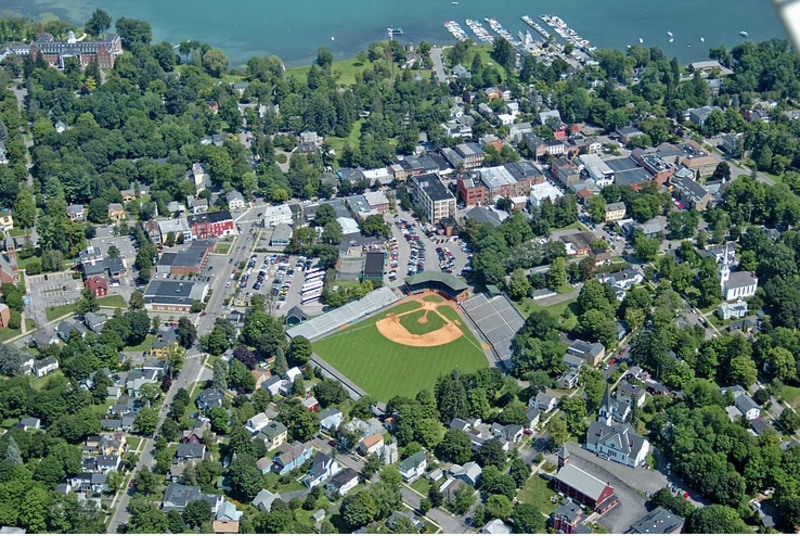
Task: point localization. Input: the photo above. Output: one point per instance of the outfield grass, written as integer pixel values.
(58, 311)
(536, 493)
(112, 301)
(433, 298)
(412, 324)
(385, 369)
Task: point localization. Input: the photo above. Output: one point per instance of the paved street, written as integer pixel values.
(437, 56)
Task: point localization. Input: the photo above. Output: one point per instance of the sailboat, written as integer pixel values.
(702, 39)
(641, 40)
(671, 39)
(669, 33)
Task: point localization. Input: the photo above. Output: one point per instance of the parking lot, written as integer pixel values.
(51, 290)
(420, 254)
(279, 278)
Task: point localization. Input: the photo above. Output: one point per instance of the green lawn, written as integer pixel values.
(354, 138)
(431, 323)
(574, 225)
(790, 394)
(23, 263)
(344, 70)
(223, 248)
(8, 333)
(421, 485)
(58, 311)
(536, 493)
(433, 298)
(37, 384)
(143, 347)
(112, 301)
(385, 369)
(557, 309)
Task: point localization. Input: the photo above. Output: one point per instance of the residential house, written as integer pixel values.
(568, 379)
(633, 395)
(209, 398)
(94, 483)
(533, 417)
(291, 456)
(566, 518)
(342, 482)
(225, 527)
(76, 213)
(177, 496)
(43, 367)
(235, 201)
(626, 134)
(95, 321)
(393, 521)
(330, 419)
(413, 467)
(388, 454)
(495, 526)
(29, 423)
(727, 311)
(323, 467)
(747, 406)
(698, 116)
(101, 464)
(469, 473)
(273, 435)
(257, 422)
(190, 452)
(543, 402)
(263, 501)
(370, 444)
(310, 403)
(612, 410)
(116, 212)
(228, 512)
(614, 212)
(618, 443)
(273, 384)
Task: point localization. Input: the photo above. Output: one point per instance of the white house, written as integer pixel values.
(413, 467)
(257, 422)
(747, 406)
(323, 467)
(543, 402)
(293, 373)
(617, 443)
(342, 482)
(277, 214)
(42, 367)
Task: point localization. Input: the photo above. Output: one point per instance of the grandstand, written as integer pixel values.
(497, 320)
(452, 287)
(346, 314)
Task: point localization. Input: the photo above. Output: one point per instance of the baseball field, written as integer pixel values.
(404, 349)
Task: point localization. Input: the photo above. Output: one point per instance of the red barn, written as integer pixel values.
(211, 225)
(98, 285)
(585, 488)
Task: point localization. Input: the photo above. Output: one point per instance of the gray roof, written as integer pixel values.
(659, 521)
(623, 434)
(580, 480)
(744, 403)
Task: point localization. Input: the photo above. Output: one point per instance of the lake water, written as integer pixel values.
(294, 30)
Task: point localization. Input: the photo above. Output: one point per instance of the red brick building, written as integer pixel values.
(98, 286)
(5, 315)
(472, 192)
(211, 225)
(105, 50)
(9, 271)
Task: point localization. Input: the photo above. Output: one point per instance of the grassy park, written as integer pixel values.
(384, 368)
